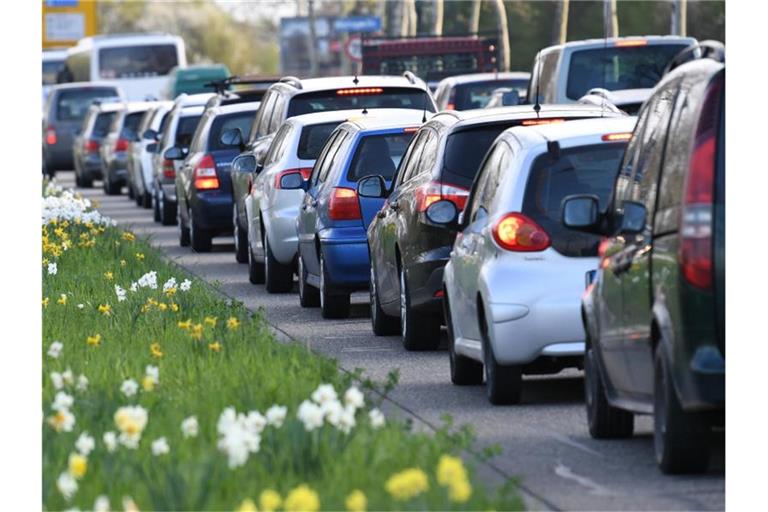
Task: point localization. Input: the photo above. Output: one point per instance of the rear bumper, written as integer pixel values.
(280, 225)
(116, 170)
(91, 165)
(346, 255)
(701, 384)
(59, 157)
(213, 210)
(425, 280)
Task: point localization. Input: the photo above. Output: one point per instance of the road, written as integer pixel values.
(544, 440)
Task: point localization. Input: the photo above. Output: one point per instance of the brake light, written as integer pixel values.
(532, 122)
(205, 176)
(169, 171)
(696, 224)
(411, 129)
(601, 249)
(631, 42)
(50, 136)
(615, 137)
(516, 232)
(450, 106)
(435, 191)
(359, 91)
(121, 145)
(91, 146)
(305, 172)
(344, 205)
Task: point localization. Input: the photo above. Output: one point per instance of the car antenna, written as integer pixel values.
(365, 110)
(355, 80)
(536, 105)
(424, 113)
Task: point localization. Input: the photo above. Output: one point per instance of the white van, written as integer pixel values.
(139, 63)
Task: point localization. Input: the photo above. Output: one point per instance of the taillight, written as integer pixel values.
(169, 171)
(50, 136)
(205, 176)
(435, 191)
(305, 172)
(91, 146)
(616, 137)
(358, 91)
(121, 145)
(344, 204)
(535, 122)
(696, 223)
(516, 232)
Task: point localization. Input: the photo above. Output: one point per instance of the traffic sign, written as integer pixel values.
(354, 48)
(357, 24)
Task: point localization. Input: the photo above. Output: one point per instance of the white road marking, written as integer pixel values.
(596, 489)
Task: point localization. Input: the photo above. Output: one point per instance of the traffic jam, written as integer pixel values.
(570, 218)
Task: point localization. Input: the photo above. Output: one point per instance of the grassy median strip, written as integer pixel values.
(159, 394)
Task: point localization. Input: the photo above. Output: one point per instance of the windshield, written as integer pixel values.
(50, 70)
(379, 154)
(580, 170)
(478, 94)
(73, 104)
(380, 97)
(101, 126)
(222, 123)
(137, 61)
(615, 68)
(313, 139)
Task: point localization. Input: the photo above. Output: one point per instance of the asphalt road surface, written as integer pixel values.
(544, 440)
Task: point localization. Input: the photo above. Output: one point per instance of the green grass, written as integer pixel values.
(251, 372)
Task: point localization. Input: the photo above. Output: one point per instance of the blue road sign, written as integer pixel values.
(357, 24)
(62, 3)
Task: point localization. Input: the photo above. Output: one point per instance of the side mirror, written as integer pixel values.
(232, 137)
(443, 212)
(152, 148)
(633, 219)
(150, 134)
(581, 212)
(372, 186)
(174, 153)
(292, 181)
(244, 163)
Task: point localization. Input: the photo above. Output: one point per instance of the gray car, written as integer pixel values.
(114, 146)
(142, 150)
(85, 149)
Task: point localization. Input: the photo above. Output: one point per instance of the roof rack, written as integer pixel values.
(410, 76)
(220, 86)
(291, 80)
(709, 49)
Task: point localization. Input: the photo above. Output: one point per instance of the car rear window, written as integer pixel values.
(371, 97)
(51, 68)
(224, 122)
(580, 170)
(379, 154)
(185, 130)
(615, 68)
(131, 125)
(461, 165)
(101, 126)
(137, 61)
(478, 94)
(313, 138)
(73, 104)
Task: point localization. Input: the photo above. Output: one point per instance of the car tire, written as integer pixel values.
(604, 420)
(86, 182)
(111, 188)
(169, 214)
(419, 331)
(255, 269)
(680, 439)
(199, 238)
(241, 238)
(503, 383)
(184, 238)
(309, 296)
(132, 193)
(464, 371)
(332, 305)
(382, 323)
(78, 181)
(278, 278)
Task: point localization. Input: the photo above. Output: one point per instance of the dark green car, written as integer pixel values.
(192, 79)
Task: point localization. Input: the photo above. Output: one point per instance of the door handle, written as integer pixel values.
(313, 203)
(381, 214)
(394, 206)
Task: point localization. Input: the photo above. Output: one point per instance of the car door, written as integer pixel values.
(636, 277)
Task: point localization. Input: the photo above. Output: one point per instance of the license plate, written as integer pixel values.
(590, 277)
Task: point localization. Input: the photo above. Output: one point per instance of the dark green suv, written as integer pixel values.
(655, 313)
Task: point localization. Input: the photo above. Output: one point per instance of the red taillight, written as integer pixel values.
(616, 137)
(696, 223)
(357, 91)
(91, 146)
(450, 106)
(305, 172)
(631, 42)
(516, 232)
(169, 171)
(435, 191)
(121, 145)
(534, 122)
(50, 136)
(439, 293)
(344, 205)
(205, 176)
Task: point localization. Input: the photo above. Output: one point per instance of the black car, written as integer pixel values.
(655, 315)
(203, 186)
(441, 163)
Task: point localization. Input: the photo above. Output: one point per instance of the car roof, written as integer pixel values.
(136, 106)
(108, 106)
(385, 118)
(191, 110)
(611, 41)
(344, 82)
(501, 114)
(236, 107)
(563, 132)
(193, 99)
(328, 116)
(106, 40)
(84, 85)
(485, 77)
(54, 54)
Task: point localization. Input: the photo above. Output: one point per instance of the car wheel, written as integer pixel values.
(156, 208)
(169, 214)
(464, 371)
(255, 269)
(199, 238)
(503, 383)
(86, 181)
(383, 324)
(309, 296)
(680, 439)
(241, 238)
(184, 238)
(131, 192)
(111, 188)
(604, 420)
(419, 331)
(332, 305)
(278, 277)
(78, 180)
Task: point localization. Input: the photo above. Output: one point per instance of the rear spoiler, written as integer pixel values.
(709, 49)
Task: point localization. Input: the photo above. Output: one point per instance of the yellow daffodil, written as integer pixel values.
(233, 323)
(123, 263)
(62, 299)
(45, 302)
(94, 340)
(460, 491)
(407, 484)
(128, 236)
(162, 306)
(170, 291)
(302, 499)
(356, 501)
(46, 261)
(185, 324)
(105, 309)
(148, 383)
(78, 465)
(154, 350)
(269, 500)
(174, 307)
(210, 320)
(247, 506)
(140, 256)
(451, 473)
(108, 276)
(215, 346)
(197, 332)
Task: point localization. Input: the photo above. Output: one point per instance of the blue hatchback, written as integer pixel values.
(333, 247)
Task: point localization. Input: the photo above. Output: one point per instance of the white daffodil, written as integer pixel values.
(110, 441)
(80, 306)
(134, 286)
(68, 377)
(189, 427)
(62, 401)
(131, 420)
(160, 446)
(153, 372)
(101, 504)
(354, 398)
(310, 415)
(57, 380)
(376, 417)
(332, 412)
(62, 421)
(82, 383)
(255, 421)
(238, 436)
(84, 444)
(129, 505)
(148, 280)
(120, 292)
(185, 285)
(324, 393)
(54, 350)
(129, 387)
(169, 284)
(53, 269)
(67, 485)
(276, 415)
(347, 420)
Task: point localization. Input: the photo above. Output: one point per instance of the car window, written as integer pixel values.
(411, 167)
(405, 161)
(682, 129)
(460, 163)
(480, 192)
(185, 130)
(101, 126)
(324, 158)
(235, 121)
(131, 125)
(278, 114)
(429, 153)
(198, 137)
(378, 154)
(477, 94)
(277, 147)
(73, 104)
(116, 122)
(622, 186)
(313, 138)
(261, 123)
(137, 61)
(368, 97)
(331, 160)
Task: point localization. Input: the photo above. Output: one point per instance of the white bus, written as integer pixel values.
(139, 63)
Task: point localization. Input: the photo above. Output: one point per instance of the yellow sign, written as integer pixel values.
(67, 21)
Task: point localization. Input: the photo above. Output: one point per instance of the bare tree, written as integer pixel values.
(561, 23)
(313, 69)
(502, 27)
(679, 17)
(413, 18)
(474, 18)
(436, 27)
(610, 18)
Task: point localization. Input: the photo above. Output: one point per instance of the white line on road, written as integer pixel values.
(565, 472)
